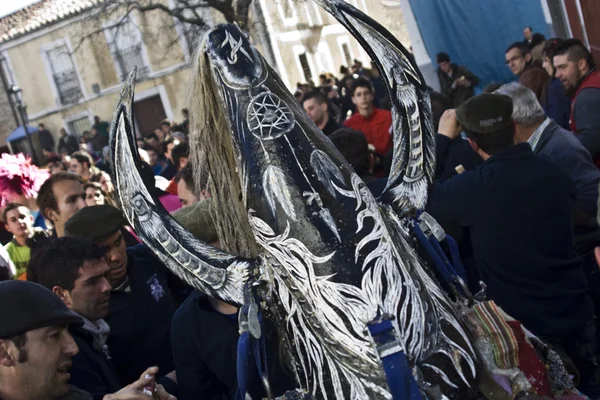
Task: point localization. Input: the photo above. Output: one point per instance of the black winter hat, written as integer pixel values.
(486, 113)
(94, 223)
(25, 306)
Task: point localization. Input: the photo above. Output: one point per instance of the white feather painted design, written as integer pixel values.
(327, 172)
(313, 320)
(277, 192)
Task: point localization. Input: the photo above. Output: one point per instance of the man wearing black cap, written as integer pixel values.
(519, 210)
(140, 308)
(36, 348)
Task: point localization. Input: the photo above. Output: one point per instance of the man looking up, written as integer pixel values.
(576, 70)
(18, 221)
(317, 107)
(59, 198)
(373, 122)
(140, 306)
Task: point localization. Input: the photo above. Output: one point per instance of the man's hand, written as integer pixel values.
(134, 391)
(449, 126)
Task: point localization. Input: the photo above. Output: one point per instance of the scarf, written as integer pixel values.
(99, 330)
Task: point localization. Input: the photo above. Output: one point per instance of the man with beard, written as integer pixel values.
(317, 107)
(140, 308)
(576, 70)
(37, 350)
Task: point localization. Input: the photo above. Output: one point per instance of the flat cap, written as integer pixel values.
(25, 306)
(94, 223)
(486, 113)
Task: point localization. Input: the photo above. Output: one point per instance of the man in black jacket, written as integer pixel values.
(519, 210)
(456, 82)
(74, 269)
(140, 307)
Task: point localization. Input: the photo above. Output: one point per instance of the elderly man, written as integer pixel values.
(547, 138)
(36, 348)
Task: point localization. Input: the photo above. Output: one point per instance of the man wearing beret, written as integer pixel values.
(519, 210)
(36, 348)
(140, 308)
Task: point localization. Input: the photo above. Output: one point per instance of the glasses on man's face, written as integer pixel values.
(512, 59)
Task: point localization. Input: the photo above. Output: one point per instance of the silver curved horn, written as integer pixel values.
(413, 164)
(205, 267)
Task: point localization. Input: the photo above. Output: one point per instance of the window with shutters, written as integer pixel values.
(306, 72)
(78, 126)
(63, 74)
(127, 48)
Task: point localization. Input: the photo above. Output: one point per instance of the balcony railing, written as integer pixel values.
(67, 84)
(129, 58)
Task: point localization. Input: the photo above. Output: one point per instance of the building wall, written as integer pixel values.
(294, 27)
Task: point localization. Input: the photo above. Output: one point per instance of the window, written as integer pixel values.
(125, 42)
(287, 12)
(78, 126)
(64, 74)
(347, 54)
(307, 73)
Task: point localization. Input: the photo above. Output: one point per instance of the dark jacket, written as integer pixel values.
(458, 94)
(556, 104)
(450, 153)
(46, 140)
(562, 147)
(140, 320)
(92, 371)
(519, 209)
(169, 171)
(331, 126)
(586, 114)
(205, 351)
(68, 144)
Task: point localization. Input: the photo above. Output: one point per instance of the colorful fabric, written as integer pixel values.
(499, 332)
(19, 177)
(529, 362)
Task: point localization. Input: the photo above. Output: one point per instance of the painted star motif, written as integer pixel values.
(269, 117)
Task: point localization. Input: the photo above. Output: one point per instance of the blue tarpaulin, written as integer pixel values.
(475, 33)
(19, 133)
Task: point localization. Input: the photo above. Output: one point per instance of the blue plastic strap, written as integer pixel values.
(400, 379)
(243, 353)
(456, 262)
(435, 257)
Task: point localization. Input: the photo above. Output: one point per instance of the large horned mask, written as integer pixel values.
(331, 258)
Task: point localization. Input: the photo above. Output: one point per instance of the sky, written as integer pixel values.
(9, 6)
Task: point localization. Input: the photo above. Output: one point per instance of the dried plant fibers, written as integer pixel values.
(212, 153)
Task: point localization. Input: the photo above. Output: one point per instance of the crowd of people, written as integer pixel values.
(88, 312)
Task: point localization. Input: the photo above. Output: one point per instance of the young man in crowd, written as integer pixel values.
(165, 128)
(455, 82)
(373, 122)
(185, 186)
(18, 221)
(55, 164)
(519, 210)
(154, 141)
(156, 161)
(576, 70)
(81, 164)
(170, 169)
(36, 348)
(316, 105)
(180, 155)
(74, 269)
(59, 198)
(140, 307)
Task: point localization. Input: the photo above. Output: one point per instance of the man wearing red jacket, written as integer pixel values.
(375, 123)
(576, 70)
